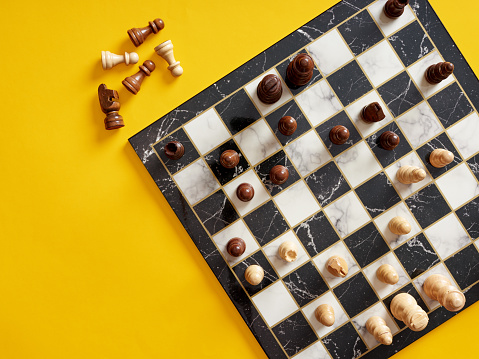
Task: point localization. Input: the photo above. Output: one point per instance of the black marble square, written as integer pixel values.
(237, 111)
(441, 141)
(386, 157)
(292, 109)
(428, 205)
(349, 83)
(473, 163)
(316, 234)
(366, 245)
(282, 67)
(469, 216)
(464, 266)
(266, 223)
(417, 256)
(400, 94)
(191, 154)
(411, 43)
(216, 212)
(327, 183)
(377, 194)
(450, 105)
(360, 32)
(355, 294)
(295, 333)
(305, 284)
(345, 343)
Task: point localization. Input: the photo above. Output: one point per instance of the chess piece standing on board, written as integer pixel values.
(325, 315)
(300, 70)
(110, 105)
(438, 287)
(165, 50)
(254, 274)
(438, 72)
(410, 174)
(269, 89)
(404, 308)
(372, 113)
(378, 328)
(440, 157)
(108, 59)
(395, 8)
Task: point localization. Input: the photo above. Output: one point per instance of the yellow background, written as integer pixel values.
(93, 262)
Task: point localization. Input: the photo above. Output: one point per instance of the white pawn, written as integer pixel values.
(108, 59)
(165, 50)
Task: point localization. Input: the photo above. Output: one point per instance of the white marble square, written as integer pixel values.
(388, 25)
(308, 153)
(257, 142)
(458, 185)
(237, 229)
(380, 63)
(339, 314)
(196, 181)
(419, 124)
(207, 131)
(315, 351)
(280, 265)
(330, 52)
(465, 135)
(358, 163)
(447, 236)
(382, 222)
(297, 203)
(319, 102)
(263, 107)
(347, 214)
(274, 303)
(383, 289)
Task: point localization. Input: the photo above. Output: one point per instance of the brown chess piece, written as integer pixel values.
(138, 36)
(287, 125)
(270, 89)
(300, 70)
(278, 174)
(133, 83)
(236, 247)
(395, 8)
(339, 135)
(245, 192)
(389, 140)
(229, 159)
(372, 113)
(174, 150)
(438, 72)
(110, 105)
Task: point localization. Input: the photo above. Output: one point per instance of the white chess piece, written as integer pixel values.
(165, 50)
(108, 59)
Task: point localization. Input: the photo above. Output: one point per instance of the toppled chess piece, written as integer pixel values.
(287, 125)
(438, 72)
(395, 8)
(254, 274)
(399, 225)
(438, 287)
(133, 83)
(269, 89)
(278, 174)
(288, 251)
(300, 70)
(389, 140)
(245, 192)
(229, 159)
(139, 35)
(337, 266)
(236, 247)
(410, 174)
(325, 315)
(174, 150)
(110, 105)
(108, 59)
(387, 274)
(372, 113)
(165, 50)
(404, 308)
(339, 135)
(440, 157)
(378, 328)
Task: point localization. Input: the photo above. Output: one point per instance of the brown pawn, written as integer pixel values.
(138, 36)
(389, 140)
(438, 72)
(229, 159)
(300, 70)
(395, 8)
(110, 106)
(245, 192)
(133, 83)
(269, 89)
(174, 150)
(373, 113)
(279, 174)
(236, 247)
(339, 135)
(287, 125)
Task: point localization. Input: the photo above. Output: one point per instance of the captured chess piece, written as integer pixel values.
(245, 192)
(399, 225)
(110, 105)
(108, 59)
(339, 135)
(337, 266)
(438, 287)
(254, 274)
(165, 50)
(378, 328)
(440, 157)
(438, 72)
(133, 83)
(288, 251)
(287, 125)
(410, 174)
(269, 89)
(387, 274)
(174, 150)
(389, 140)
(138, 36)
(236, 247)
(325, 315)
(404, 308)
(300, 70)
(278, 174)
(372, 113)
(229, 159)
(395, 8)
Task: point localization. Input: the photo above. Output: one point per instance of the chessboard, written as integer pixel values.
(338, 199)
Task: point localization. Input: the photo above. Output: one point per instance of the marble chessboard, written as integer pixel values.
(338, 199)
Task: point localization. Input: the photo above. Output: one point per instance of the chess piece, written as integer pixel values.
(337, 266)
(245, 192)
(410, 174)
(165, 50)
(138, 36)
(438, 72)
(229, 159)
(278, 174)
(440, 157)
(399, 225)
(236, 247)
(395, 8)
(174, 150)
(110, 105)
(287, 125)
(254, 274)
(133, 83)
(404, 308)
(387, 274)
(108, 59)
(325, 314)
(438, 287)
(389, 140)
(288, 251)
(339, 135)
(378, 328)
(270, 89)
(300, 70)
(372, 113)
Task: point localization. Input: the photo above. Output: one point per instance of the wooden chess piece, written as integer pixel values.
(269, 89)
(229, 159)
(372, 113)
(138, 36)
(399, 225)
(174, 150)
(389, 140)
(438, 72)
(245, 192)
(387, 274)
(395, 8)
(254, 274)
(110, 105)
(165, 50)
(288, 251)
(404, 308)
(410, 174)
(438, 287)
(325, 315)
(337, 266)
(108, 59)
(339, 135)
(236, 247)
(133, 83)
(300, 70)
(378, 328)
(287, 125)
(440, 157)
(278, 174)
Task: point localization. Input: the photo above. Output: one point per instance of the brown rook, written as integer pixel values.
(373, 113)
(236, 247)
(287, 125)
(395, 8)
(438, 72)
(138, 36)
(300, 70)
(269, 89)
(278, 174)
(174, 150)
(110, 105)
(229, 159)
(339, 135)
(245, 192)
(133, 83)
(389, 140)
